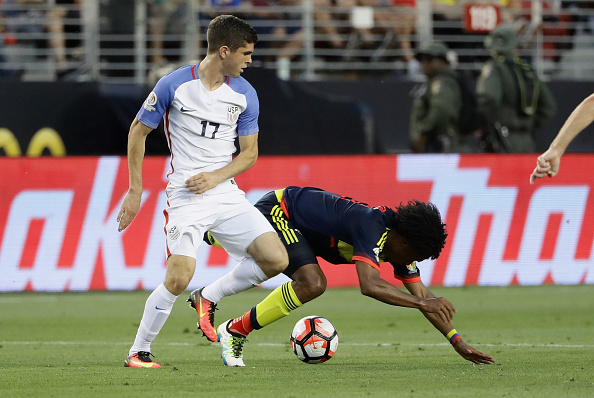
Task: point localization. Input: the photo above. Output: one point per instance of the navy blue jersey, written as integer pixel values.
(340, 229)
(314, 223)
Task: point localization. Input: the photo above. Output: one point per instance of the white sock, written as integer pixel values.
(156, 311)
(244, 276)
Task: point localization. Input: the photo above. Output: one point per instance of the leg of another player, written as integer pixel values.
(308, 283)
(269, 258)
(245, 275)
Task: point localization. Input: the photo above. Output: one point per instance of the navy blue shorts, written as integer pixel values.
(300, 251)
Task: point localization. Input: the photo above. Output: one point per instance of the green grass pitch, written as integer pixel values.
(74, 345)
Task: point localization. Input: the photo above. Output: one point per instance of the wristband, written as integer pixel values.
(453, 336)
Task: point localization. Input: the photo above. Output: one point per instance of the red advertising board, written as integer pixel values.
(58, 228)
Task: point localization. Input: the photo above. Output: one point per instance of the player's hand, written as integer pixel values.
(440, 306)
(202, 182)
(129, 209)
(547, 164)
(471, 354)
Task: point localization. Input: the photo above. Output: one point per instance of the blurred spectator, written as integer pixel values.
(334, 36)
(28, 20)
(210, 9)
(404, 18)
(395, 21)
(166, 17)
(447, 24)
(58, 28)
(329, 16)
(557, 26)
(21, 19)
(582, 10)
(511, 96)
(5, 71)
(277, 30)
(437, 104)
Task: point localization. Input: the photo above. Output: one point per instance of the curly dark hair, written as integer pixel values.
(420, 223)
(230, 31)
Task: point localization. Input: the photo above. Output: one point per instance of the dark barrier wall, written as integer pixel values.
(89, 119)
(295, 117)
(94, 119)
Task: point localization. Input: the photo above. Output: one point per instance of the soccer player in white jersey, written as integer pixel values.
(205, 107)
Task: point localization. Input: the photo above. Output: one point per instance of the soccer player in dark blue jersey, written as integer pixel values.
(315, 223)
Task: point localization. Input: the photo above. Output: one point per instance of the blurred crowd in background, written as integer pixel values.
(301, 39)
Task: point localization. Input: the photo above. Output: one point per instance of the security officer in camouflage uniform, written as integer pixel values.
(510, 96)
(436, 104)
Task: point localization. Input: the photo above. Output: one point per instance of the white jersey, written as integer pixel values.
(200, 125)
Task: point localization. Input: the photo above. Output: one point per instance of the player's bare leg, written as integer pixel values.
(269, 253)
(309, 282)
(180, 270)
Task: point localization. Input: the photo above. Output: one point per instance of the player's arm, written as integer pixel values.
(248, 154)
(581, 117)
(374, 286)
(136, 147)
(445, 327)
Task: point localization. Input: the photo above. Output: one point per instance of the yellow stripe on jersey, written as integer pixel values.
(346, 250)
(382, 240)
(279, 194)
(278, 217)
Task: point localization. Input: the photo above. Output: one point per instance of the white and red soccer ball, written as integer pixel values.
(314, 339)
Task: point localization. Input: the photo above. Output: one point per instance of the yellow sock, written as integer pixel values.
(276, 305)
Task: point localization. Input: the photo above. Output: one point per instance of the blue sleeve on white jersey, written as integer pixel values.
(247, 124)
(160, 99)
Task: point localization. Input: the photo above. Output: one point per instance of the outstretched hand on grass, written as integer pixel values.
(471, 354)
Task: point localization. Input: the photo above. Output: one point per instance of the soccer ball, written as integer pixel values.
(314, 339)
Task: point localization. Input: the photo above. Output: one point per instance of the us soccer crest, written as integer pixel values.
(233, 114)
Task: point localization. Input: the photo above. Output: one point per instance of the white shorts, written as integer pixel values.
(229, 217)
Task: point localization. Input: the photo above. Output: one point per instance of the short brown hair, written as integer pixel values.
(230, 31)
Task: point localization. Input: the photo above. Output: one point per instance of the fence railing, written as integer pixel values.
(136, 41)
